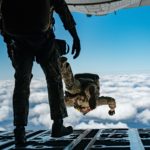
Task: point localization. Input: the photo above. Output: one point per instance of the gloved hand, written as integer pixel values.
(76, 47)
(76, 43)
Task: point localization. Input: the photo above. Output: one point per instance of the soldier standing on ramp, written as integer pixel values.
(29, 23)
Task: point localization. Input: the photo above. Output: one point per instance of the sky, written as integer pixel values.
(116, 47)
(116, 43)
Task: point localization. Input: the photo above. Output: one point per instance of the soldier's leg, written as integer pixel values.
(58, 110)
(23, 67)
(55, 87)
(66, 73)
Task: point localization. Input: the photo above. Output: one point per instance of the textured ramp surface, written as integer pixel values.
(94, 139)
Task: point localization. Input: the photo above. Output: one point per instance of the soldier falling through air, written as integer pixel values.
(82, 90)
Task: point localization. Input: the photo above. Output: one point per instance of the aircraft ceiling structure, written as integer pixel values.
(103, 7)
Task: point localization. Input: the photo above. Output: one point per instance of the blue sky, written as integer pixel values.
(111, 44)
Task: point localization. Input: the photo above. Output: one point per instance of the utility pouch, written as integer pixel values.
(62, 47)
(58, 45)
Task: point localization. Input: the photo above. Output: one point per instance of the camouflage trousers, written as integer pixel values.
(26, 50)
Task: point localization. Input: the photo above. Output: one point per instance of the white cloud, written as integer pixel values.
(40, 115)
(123, 111)
(93, 125)
(74, 117)
(131, 92)
(38, 97)
(142, 102)
(144, 116)
(2, 129)
(38, 84)
(40, 109)
(4, 112)
(43, 119)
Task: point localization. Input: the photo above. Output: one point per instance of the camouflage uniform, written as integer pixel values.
(82, 90)
(38, 44)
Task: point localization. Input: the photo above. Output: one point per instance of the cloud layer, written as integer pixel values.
(132, 93)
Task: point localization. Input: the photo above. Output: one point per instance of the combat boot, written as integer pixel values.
(58, 130)
(20, 138)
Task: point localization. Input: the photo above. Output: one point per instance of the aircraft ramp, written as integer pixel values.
(92, 139)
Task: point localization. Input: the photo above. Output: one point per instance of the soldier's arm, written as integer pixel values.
(106, 101)
(61, 8)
